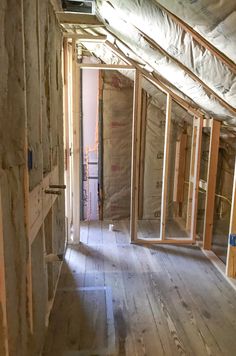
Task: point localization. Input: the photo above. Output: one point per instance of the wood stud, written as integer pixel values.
(76, 73)
(135, 162)
(165, 167)
(211, 184)
(3, 299)
(231, 253)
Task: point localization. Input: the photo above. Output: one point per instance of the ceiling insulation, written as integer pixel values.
(150, 33)
(214, 19)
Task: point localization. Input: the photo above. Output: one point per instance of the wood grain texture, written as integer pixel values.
(167, 300)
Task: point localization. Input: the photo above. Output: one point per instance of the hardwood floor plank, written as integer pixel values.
(166, 300)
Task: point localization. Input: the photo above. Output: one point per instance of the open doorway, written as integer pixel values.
(106, 125)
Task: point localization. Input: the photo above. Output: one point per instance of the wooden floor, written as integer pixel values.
(150, 229)
(115, 298)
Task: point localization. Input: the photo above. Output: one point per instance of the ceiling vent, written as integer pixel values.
(84, 7)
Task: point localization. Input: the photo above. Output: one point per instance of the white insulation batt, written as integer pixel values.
(215, 20)
(130, 19)
(117, 132)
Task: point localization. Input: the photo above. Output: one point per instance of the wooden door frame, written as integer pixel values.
(138, 117)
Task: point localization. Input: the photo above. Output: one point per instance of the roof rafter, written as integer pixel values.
(200, 39)
(189, 72)
(155, 81)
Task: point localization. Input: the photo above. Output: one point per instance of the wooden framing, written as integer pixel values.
(194, 176)
(157, 82)
(85, 38)
(3, 300)
(76, 72)
(136, 152)
(190, 73)
(78, 19)
(198, 122)
(105, 66)
(231, 252)
(142, 152)
(135, 176)
(136, 127)
(26, 204)
(201, 40)
(40, 203)
(180, 160)
(211, 184)
(165, 167)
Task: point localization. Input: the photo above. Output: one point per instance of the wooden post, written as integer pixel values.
(142, 153)
(137, 112)
(197, 161)
(191, 177)
(3, 301)
(180, 160)
(165, 167)
(211, 184)
(101, 143)
(76, 146)
(26, 200)
(194, 176)
(67, 82)
(231, 252)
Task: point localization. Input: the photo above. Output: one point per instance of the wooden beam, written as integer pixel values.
(78, 19)
(211, 184)
(201, 40)
(76, 145)
(142, 153)
(165, 167)
(3, 299)
(231, 252)
(156, 82)
(119, 53)
(105, 66)
(135, 160)
(197, 161)
(85, 38)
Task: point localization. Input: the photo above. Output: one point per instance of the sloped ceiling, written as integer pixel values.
(163, 35)
(214, 20)
(153, 35)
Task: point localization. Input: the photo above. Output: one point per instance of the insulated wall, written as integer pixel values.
(31, 136)
(153, 161)
(117, 131)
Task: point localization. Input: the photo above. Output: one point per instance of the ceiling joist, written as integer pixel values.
(85, 38)
(78, 19)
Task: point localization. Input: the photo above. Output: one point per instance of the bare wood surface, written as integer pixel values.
(166, 300)
(76, 144)
(142, 152)
(77, 19)
(135, 160)
(4, 349)
(165, 166)
(196, 177)
(211, 184)
(231, 252)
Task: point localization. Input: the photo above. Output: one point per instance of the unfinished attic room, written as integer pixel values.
(118, 178)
